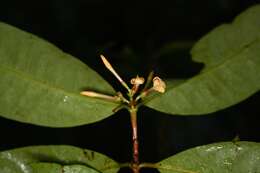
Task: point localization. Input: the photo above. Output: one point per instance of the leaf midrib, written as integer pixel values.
(215, 67)
(44, 84)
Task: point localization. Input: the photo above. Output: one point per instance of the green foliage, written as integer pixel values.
(43, 159)
(55, 168)
(232, 70)
(226, 157)
(41, 85)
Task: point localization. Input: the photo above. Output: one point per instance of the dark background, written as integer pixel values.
(134, 35)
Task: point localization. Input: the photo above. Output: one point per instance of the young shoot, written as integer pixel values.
(131, 103)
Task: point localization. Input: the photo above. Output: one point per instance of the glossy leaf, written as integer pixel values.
(226, 157)
(66, 159)
(56, 168)
(231, 54)
(40, 84)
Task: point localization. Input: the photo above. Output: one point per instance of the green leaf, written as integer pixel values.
(40, 84)
(46, 167)
(66, 159)
(226, 157)
(55, 168)
(231, 54)
(228, 40)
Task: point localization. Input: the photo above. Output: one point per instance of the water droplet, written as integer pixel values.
(226, 162)
(17, 161)
(214, 148)
(239, 148)
(65, 99)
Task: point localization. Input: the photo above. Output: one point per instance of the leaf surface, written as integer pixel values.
(231, 54)
(226, 157)
(66, 159)
(40, 84)
(56, 168)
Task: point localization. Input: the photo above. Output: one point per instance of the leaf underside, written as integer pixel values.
(231, 55)
(226, 157)
(40, 84)
(55, 159)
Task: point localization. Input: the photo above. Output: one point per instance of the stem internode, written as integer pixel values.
(135, 164)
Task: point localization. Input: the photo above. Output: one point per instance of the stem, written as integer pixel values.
(133, 114)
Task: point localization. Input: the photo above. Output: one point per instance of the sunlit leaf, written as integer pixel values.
(40, 84)
(231, 54)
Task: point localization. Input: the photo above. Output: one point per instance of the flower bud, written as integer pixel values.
(111, 69)
(100, 95)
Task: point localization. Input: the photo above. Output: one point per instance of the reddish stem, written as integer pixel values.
(135, 165)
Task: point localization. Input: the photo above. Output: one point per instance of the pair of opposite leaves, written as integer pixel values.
(41, 85)
(225, 157)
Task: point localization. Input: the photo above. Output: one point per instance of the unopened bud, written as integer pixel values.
(90, 93)
(99, 95)
(107, 64)
(111, 69)
(159, 85)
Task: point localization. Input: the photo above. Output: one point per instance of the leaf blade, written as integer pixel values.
(224, 81)
(227, 39)
(225, 157)
(56, 168)
(38, 75)
(24, 160)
